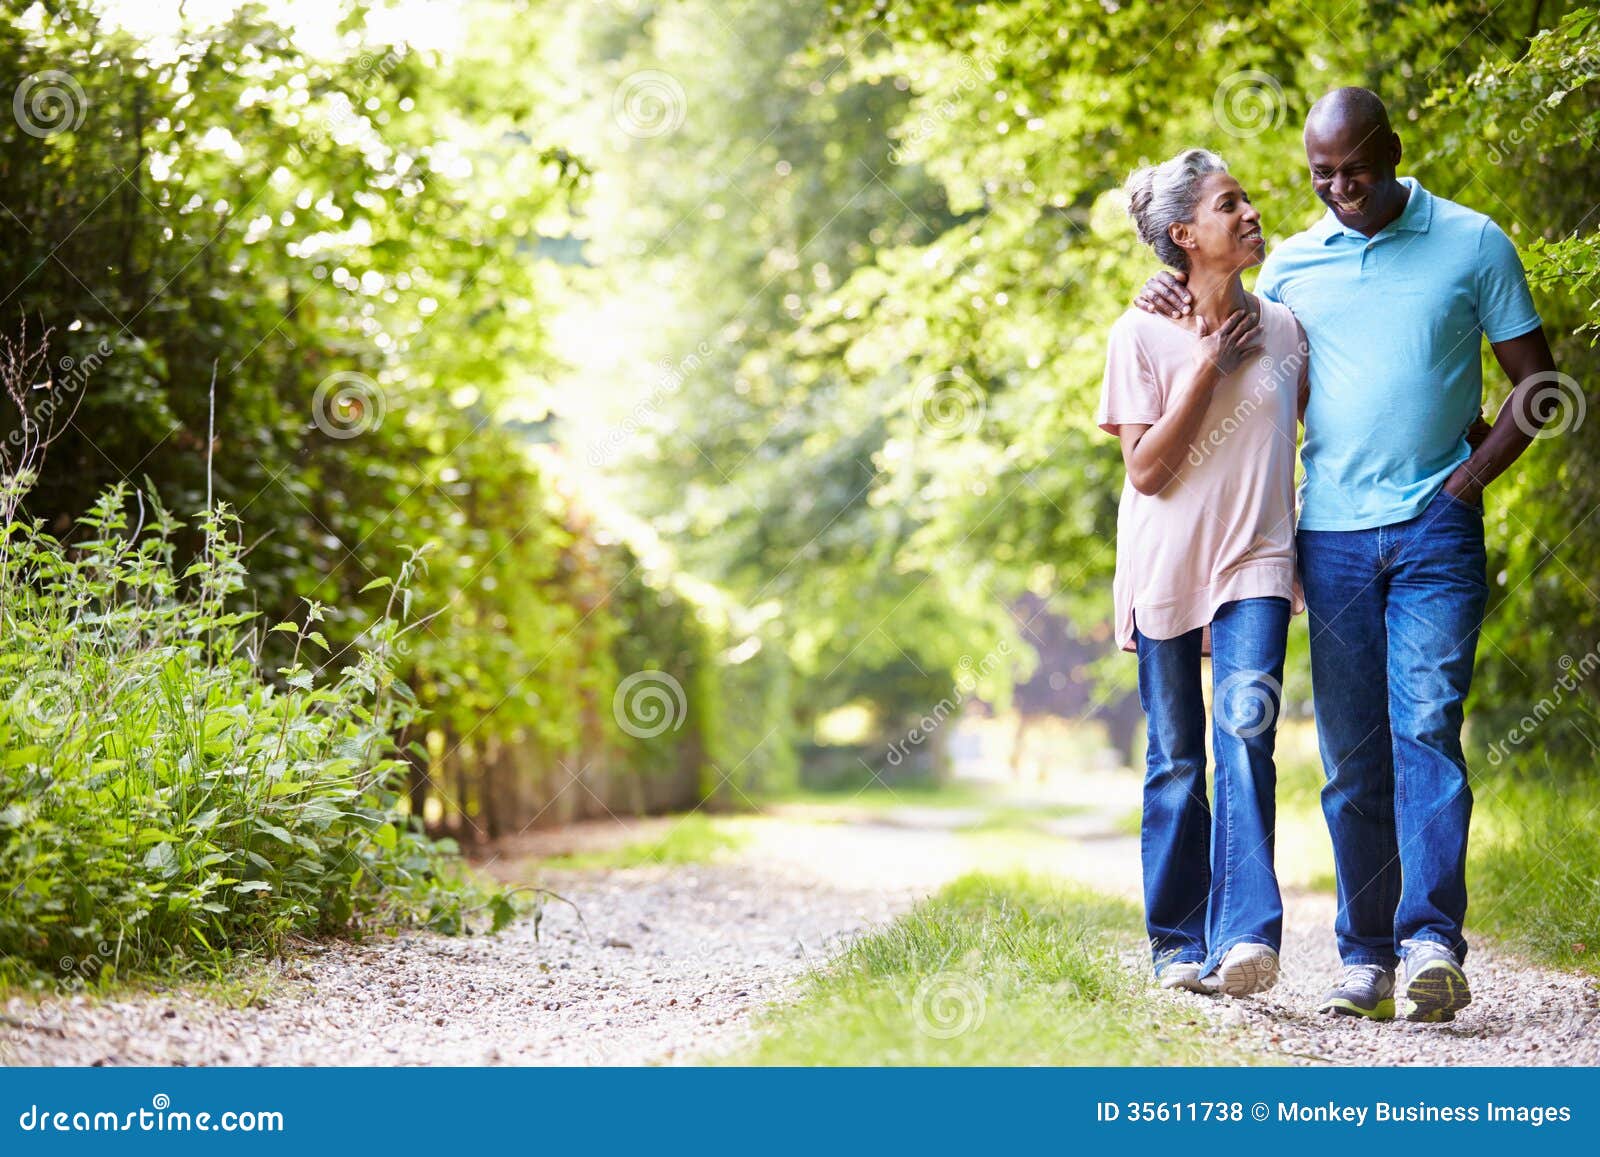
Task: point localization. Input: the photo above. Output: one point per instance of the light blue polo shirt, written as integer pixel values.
(1396, 325)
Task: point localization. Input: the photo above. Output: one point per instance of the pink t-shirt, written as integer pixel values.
(1223, 529)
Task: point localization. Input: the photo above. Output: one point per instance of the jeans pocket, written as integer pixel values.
(1462, 503)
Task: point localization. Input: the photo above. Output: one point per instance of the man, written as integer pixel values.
(1393, 287)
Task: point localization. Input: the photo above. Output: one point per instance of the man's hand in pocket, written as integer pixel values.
(1478, 431)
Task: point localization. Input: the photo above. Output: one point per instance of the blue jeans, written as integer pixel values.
(1208, 880)
(1394, 615)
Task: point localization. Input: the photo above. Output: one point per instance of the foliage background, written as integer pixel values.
(897, 226)
(750, 344)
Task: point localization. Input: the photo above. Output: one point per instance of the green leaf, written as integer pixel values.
(502, 911)
(275, 832)
(162, 859)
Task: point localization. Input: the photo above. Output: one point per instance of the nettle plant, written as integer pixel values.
(163, 797)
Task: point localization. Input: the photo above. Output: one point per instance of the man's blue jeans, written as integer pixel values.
(1209, 883)
(1394, 616)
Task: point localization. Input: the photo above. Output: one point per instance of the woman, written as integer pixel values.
(1205, 409)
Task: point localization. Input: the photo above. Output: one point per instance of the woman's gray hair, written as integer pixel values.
(1161, 196)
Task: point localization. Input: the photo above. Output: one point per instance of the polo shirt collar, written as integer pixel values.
(1414, 218)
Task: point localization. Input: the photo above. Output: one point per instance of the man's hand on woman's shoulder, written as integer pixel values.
(1166, 294)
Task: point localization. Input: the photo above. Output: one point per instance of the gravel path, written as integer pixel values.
(1519, 1015)
(675, 960)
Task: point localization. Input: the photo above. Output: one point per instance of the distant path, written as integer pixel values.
(676, 960)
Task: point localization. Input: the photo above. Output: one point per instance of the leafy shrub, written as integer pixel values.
(162, 796)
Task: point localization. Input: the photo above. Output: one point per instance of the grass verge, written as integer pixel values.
(1533, 873)
(873, 796)
(1533, 867)
(693, 839)
(992, 971)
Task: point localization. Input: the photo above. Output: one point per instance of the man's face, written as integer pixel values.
(1353, 172)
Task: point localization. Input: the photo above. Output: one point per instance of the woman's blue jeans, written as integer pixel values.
(1208, 877)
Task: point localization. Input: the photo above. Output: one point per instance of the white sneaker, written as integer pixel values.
(1246, 969)
(1182, 976)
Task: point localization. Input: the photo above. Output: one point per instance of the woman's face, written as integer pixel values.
(1226, 230)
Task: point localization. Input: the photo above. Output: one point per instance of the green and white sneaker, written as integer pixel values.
(1181, 976)
(1435, 988)
(1361, 990)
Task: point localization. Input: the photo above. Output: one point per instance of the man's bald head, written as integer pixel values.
(1353, 153)
(1351, 107)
